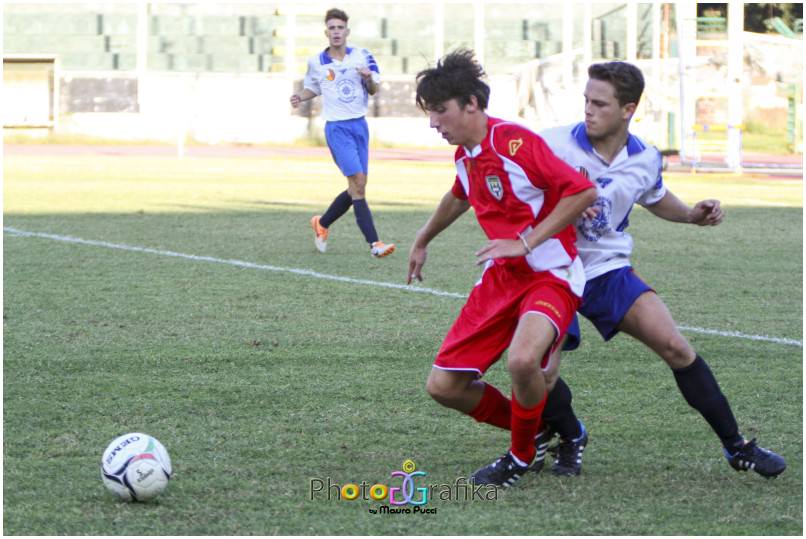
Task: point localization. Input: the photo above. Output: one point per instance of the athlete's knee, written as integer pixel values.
(357, 185)
(443, 388)
(677, 352)
(522, 365)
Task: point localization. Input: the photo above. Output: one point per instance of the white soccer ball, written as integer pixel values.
(136, 467)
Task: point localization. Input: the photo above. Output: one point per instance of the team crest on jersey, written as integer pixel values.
(584, 172)
(592, 229)
(347, 91)
(331, 74)
(495, 187)
(514, 146)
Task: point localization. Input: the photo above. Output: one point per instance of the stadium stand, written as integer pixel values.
(255, 38)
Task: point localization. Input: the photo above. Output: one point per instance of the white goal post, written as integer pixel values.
(30, 91)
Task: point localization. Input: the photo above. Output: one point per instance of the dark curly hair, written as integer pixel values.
(627, 80)
(457, 76)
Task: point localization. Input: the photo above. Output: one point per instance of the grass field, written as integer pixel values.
(258, 380)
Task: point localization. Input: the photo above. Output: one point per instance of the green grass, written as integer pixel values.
(756, 140)
(258, 381)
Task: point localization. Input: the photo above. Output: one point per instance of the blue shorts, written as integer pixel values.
(348, 141)
(605, 302)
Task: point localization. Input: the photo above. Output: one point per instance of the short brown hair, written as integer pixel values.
(627, 80)
(336, 13)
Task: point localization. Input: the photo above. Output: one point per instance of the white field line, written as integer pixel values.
(350, 280)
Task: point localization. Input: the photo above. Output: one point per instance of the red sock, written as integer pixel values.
(493, 408)
(525, 425)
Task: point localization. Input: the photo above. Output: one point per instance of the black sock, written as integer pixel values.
(701, 391)
(363, 218)
(337, 208)
(558, 414)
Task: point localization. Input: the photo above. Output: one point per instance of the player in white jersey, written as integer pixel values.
(627, 171)
(345, 77)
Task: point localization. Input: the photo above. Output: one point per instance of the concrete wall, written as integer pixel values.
(214, 108)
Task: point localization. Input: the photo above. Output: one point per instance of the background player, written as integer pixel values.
(525, 200)
(627, 170)
(344, 77)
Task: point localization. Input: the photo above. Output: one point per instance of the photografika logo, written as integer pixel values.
(407, 491)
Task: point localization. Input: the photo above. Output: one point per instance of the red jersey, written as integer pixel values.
(513, 181)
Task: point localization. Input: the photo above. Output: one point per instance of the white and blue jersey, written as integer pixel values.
(633, 177)
(342, 89)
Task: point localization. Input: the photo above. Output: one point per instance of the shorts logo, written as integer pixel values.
(331, 74)
(495, 187)
(549, 306)
(584, 172)
(514, 145)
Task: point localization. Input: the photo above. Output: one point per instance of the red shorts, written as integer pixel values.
(487, 322)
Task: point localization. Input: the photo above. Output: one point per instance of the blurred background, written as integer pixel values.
(724, 80)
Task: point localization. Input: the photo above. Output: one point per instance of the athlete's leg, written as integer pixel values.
(559, 415)
(363, 216)
(357, 185)
(697, 384)
(337, 208)
(551, 372)
(533, 339)
(341, 146)
(463, 391)
(476, 340)
(460, 390)
(357, 179)
(649, 321)
(559, 419)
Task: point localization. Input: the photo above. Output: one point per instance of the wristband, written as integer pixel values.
(525, 244)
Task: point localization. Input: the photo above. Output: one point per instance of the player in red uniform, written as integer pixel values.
(525, 200)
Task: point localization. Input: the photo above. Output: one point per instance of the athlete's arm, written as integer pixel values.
(564, 213)
(370, 84)
(704, 213)
(449, 210)
(306, 95)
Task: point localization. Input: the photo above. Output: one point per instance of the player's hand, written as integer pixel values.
(590, 213)
(295, 100)
(417, 257)
(364, 72)
(500, 249)
(706, 213)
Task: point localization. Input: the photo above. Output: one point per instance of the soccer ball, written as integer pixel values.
(136, 467)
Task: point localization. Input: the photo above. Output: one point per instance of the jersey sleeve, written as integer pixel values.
(372, 65)
(311, 81)
(657, 190)
(457, 189)
(544, 168)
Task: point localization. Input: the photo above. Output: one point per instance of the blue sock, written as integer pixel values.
(337, 208)
(363, 218)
